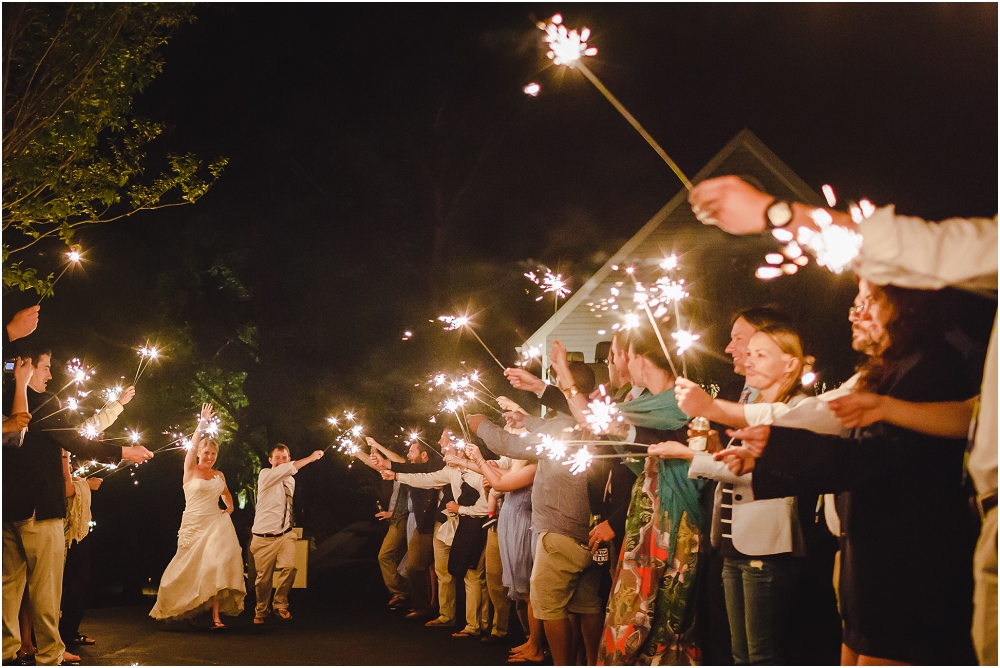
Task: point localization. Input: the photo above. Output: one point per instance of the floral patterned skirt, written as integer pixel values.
(650, 616)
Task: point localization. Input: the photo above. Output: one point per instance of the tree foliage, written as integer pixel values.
(74, 153)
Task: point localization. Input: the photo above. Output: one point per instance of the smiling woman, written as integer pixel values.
(207, 570)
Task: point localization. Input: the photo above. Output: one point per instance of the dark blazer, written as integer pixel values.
(33, 473)
(904, 519)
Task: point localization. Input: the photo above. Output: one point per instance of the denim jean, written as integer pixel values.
(758, 595)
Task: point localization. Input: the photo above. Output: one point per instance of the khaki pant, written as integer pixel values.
(984, 618)
(33, 554)
(392, 552)
(446, 586)
(270, 554)
(494, 584)
(476, 608)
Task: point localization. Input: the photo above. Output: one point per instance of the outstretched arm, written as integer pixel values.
(693, 400)
(948, 419)
(191, 456)
(386, 452)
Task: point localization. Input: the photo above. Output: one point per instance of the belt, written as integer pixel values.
(986, 504)
(273, 535)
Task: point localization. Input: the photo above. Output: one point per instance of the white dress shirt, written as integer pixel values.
(275, 488)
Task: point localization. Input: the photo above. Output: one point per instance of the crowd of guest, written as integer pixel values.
(46, 509)
(821, 528)
(779, 527)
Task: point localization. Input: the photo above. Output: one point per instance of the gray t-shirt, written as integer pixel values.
(559, 501)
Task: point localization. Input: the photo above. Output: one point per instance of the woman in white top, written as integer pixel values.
(760, 540)
(207, 571)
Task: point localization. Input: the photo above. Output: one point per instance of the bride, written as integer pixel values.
(207, 571)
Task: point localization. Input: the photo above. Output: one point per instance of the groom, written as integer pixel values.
(273, 543)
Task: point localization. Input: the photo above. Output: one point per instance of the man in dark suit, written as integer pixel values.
(34, 506)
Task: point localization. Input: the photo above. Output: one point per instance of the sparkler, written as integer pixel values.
(550, 282)
(834, 246)
(568, 47)
(529, 353)
(458, 322)
(147, 354)
(602, 413)
(73, 257)
(532, 89)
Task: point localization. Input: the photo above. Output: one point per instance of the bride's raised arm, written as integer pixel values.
(191, 457)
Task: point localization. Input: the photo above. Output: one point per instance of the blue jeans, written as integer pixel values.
(758, 593)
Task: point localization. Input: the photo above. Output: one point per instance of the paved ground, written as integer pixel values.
(339, 620)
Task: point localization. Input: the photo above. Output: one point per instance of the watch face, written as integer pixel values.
(779, 214)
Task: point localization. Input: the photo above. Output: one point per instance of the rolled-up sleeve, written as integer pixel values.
(913, 253)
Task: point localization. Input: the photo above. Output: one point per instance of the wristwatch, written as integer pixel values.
(778, 214)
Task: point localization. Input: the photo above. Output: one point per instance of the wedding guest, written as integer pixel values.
(884, 523)
(761, 541)
(34, 507)
(908, 252)
(469, 540)
(273, 542)
(564, 579)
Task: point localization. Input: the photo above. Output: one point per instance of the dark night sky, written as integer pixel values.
(352, 129)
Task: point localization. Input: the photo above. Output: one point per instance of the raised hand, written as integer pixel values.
(388, 475)
(23, 371)
(16, 422)
(523, 380)
(23, 323)
(739, 461)
(474, 421)
(94, 484)
(731, 204)
(137, 454)
(207, 414)
(472, 452)
(754, 438)
(691, 398)
(515, 419)
(671, 450)
(126, 395)
(859, 409)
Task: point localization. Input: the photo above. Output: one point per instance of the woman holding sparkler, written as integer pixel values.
(514, 536)
(761, 540)
(650, 614)
(207, 571)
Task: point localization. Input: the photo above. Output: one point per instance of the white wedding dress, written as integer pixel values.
(208, 562)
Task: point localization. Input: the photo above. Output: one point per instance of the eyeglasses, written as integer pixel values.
(858, 310)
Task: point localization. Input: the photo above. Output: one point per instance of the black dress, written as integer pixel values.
(906, 534)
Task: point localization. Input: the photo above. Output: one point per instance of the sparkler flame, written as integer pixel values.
(566, 47)
(834, 246)
(684, 340)
(532, 89)
(580, 461)
(453, 322)
(89, 432)
(631, 321)
(603, 413)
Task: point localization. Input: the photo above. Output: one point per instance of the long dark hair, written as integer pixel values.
(914, 322)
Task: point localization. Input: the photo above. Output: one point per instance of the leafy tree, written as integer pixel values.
(74, 153)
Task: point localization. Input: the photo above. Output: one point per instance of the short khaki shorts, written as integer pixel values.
(564, 579)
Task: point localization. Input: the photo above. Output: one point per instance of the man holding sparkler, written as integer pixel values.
(886, 248)
(273, 543)
(564, 579)
(34, 506)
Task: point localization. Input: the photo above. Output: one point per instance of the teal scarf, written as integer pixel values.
(677, 493)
